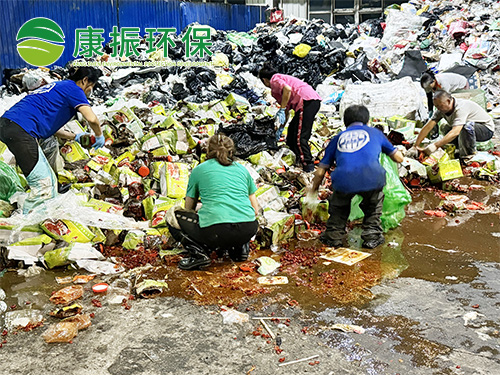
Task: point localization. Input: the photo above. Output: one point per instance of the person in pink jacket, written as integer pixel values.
(292, 93)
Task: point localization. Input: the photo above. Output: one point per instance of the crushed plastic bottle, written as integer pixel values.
(118, 291)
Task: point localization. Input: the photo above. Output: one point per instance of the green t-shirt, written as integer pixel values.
(223, 191)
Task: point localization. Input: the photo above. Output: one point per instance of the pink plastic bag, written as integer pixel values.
(458, 29)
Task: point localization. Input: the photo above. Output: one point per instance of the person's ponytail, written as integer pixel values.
(221, 148)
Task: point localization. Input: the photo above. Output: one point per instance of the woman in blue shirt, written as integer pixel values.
(40, 115)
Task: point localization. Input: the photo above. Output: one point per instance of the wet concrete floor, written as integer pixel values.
(428, 298)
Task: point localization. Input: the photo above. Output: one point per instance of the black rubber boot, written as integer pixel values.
(373, 243)
(240, 253)
(195, 260)
(330, 242)
(197, 255)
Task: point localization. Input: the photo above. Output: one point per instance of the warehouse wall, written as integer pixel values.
(295, 8)
(104, 14)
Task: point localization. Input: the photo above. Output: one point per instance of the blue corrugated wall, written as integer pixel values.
(104, 14)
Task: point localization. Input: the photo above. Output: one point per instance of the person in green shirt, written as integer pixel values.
(227, 217)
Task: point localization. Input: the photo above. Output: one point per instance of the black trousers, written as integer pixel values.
(20, 143)
(223, 236)
(340, 208)
(299, 132)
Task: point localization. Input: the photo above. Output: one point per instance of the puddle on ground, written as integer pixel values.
(435, 249)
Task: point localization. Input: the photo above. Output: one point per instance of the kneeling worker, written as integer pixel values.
(468, 123)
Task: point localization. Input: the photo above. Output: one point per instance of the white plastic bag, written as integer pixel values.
(231, 316)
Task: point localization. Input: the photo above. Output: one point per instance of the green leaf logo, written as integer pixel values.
(42, 48)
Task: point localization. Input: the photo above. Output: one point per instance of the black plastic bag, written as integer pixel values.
(358, 70)
(179, 92)
(252, 137)
(413, 65)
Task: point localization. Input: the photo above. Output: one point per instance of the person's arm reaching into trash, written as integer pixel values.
(63, 134)
(285, 96)
(94, 123)
(283, 113)
(449, 137)
(255, 204)
(316, 182)
(425, 130)
(326, 163)
(397, 156)
(413, 151)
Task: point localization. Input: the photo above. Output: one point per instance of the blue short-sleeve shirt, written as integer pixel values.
(356, 152)
(44, 111)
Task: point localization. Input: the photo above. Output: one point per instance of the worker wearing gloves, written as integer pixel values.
(468, 123)
(227, 217)
(449, 82)
(292, 93)
(38, 116)
(355, 152)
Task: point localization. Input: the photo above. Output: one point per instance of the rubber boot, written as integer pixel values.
(197, 255)
(240, 253)
(372, 243)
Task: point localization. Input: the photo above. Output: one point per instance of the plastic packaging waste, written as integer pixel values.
(22, 318)
(9, 182)
(87, 141)
(67, 295)
(61, 332)
(267, 265)
(231, 316)
(82, 321)
(118, 291)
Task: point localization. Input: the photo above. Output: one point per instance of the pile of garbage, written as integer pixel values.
(156, 121)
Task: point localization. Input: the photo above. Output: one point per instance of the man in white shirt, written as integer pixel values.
(468, 123)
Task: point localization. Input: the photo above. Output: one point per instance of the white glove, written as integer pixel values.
(412, 153)
(430, 149)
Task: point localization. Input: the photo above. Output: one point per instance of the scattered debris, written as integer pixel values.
(348, 328)
(299, 360)
(231, 316)
(345, 256)
(264, 324)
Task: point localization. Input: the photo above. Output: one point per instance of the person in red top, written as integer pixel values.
(292, 93)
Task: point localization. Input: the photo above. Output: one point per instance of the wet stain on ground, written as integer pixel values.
(442, 250)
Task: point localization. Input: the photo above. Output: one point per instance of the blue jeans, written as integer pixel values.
(470, 134)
